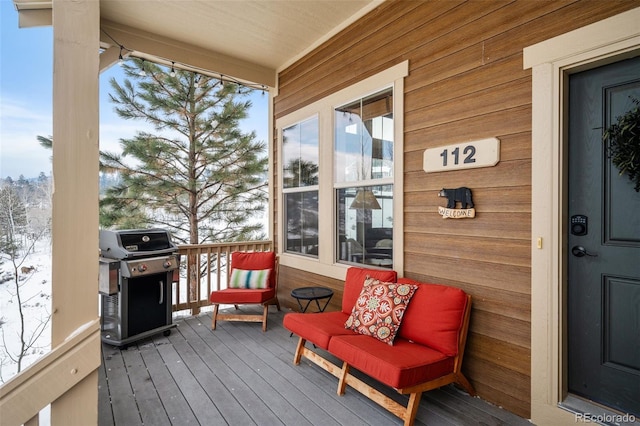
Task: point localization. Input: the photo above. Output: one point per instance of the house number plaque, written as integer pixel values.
(467, 155)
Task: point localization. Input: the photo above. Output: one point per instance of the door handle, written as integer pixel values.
(579, 251)
(161, 283)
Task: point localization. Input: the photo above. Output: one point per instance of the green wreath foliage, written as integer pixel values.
(623, 138)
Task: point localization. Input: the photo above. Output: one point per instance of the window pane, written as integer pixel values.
(364, 138)
(301, 218)
(300, 154)
(365, 225)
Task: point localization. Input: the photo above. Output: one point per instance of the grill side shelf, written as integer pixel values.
(108, 276)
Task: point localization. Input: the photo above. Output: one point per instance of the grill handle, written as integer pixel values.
(161, 301)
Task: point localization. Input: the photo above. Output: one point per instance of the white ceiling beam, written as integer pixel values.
(144, 43)
(33, 4)
(34, 13)
(109, 57)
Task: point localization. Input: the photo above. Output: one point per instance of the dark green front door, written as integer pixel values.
(603, 252)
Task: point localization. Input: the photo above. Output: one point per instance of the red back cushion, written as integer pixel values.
(355, 280)
(253, 261)
(434, 316)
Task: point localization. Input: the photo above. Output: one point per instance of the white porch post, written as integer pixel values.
(76, 26)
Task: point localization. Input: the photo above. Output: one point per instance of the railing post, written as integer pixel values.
(193, 280)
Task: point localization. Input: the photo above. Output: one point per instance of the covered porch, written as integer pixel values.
(239, 375)
(464, 81)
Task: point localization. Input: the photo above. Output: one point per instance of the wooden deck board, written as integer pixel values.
(275, 393)
(284, 346)
(169, 394)
(225, 365)
(315, 392)
(222, 384)
(263, 365)
(146, 396)
(238, 374)
(253, 372)
(104, 402)
(123, 403)
(186, 368)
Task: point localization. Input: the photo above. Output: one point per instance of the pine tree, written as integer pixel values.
(197, 174)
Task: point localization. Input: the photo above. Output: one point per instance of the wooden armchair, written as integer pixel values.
(252, 280)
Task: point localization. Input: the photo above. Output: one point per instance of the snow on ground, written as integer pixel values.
(35, 292)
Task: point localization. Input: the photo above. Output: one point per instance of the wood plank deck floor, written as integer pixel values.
(238, 375)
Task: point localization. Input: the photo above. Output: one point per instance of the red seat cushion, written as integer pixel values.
(253, 261)
(434, 316)
(317, 328)
(355, 280)
(402, 365)
(239, 296)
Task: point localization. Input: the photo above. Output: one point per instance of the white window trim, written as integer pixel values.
(292, 190)
(368, 182)
(324, 108)
(300, 189)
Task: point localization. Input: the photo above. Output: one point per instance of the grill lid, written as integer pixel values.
(135, 243)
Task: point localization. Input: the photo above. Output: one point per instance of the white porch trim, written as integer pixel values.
(162, 48)
(552, 61)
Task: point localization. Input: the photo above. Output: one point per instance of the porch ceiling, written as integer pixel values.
(263, 35)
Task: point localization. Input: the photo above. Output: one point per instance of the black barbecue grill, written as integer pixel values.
(136, 272)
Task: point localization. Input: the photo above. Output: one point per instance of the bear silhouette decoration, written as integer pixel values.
(461, 195)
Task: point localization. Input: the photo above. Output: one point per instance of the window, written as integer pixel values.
(300, 186)
(341, 194)
(363, 155)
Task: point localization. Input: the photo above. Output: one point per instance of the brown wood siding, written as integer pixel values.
(465, 82)
(290, 278)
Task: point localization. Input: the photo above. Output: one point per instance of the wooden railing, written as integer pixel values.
(203, 268)
(51, 377)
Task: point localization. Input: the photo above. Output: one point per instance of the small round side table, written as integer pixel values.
(311, 294)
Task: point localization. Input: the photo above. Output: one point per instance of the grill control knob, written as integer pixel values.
(142, 267)
(167, 264)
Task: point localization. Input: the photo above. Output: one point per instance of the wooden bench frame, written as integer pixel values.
(408, 413)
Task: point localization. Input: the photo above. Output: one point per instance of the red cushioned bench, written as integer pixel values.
(426, 353)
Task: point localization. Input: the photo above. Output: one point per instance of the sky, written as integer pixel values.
(26, 77)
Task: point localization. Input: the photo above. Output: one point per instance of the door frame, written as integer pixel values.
(551, 62)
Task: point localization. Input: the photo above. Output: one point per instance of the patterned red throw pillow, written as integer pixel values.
(379, 309)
